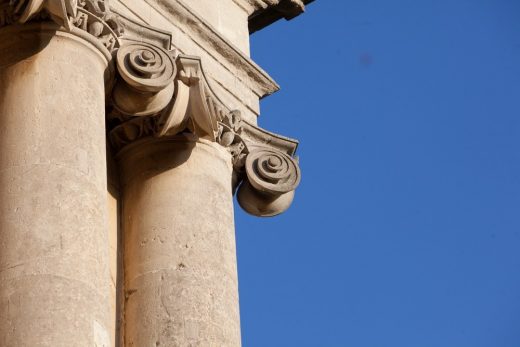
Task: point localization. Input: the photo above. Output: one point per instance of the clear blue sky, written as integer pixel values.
(405, 231)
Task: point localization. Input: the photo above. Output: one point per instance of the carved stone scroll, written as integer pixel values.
(146, 84)
(272, 177)
(271, 171)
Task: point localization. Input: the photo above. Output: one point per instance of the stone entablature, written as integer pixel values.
(156, 92)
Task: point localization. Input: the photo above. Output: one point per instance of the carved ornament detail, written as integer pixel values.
(91, 16)
(272, 177)
(163, 94)
(95, 17)
(230, 136)
(271, 171)
(145, 86)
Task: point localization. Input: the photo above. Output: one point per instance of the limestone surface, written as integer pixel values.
(126, 128)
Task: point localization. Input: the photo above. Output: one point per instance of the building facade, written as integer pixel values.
(126, 128)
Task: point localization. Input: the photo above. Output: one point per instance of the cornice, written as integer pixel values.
(251, 6)
(269, 11)
(178, 12)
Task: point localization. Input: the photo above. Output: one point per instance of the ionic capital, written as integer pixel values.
(266, 171)
(145, 85)
(161, 93)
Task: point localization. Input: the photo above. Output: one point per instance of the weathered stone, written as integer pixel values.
(131, 243)
(179, 244)
(54, 270)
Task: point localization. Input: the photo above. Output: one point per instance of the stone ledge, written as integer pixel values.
(262, 84)
(266, 12)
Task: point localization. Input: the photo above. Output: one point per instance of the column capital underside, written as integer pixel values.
(157, 92)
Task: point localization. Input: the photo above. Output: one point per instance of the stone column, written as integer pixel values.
(181, 154)
(54, 269)
(179, 244)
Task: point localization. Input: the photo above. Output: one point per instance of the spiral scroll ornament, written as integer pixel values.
(147, 79)
(272, 171)
(272, 177)
(146, 67)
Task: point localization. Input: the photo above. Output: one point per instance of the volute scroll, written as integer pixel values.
(146, 83)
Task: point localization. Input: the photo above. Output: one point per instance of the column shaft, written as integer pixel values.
(179, 244)
(54, 273)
